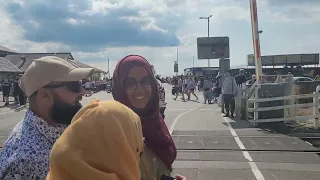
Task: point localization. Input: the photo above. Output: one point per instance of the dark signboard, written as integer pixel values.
(286, 59)
(213, 47)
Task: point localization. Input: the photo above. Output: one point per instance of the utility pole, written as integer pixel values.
(177, 61)
(178, 54)
(193, 71)
(208, 19)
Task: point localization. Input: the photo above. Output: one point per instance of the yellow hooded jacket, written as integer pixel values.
(103, 142)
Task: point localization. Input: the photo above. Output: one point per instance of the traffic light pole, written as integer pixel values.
(178, 59)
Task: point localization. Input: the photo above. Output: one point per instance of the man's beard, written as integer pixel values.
(63, 113)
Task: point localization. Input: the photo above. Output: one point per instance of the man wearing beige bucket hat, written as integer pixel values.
(54, 91)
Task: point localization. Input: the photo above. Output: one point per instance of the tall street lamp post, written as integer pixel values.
(208, 19)
(177, 61)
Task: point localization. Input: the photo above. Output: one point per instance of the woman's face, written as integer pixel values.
(138, 87)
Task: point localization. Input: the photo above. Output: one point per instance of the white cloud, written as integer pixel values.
(225, 13)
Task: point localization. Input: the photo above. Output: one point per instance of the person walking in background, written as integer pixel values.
(88, 88)
(252, 80)
(162, 99)
(199, 85)
(219, 81)
(241, 78)
(6, 86)
(180, 88)
(207, 91)
(185, 87)
(18, 93)
(229, 90)
(191, 86)
(96, 154)
(135, 86)
(15, 94)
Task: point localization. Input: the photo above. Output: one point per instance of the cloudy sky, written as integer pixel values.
(95, 30)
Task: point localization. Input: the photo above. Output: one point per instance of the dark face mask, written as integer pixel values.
(63, 113)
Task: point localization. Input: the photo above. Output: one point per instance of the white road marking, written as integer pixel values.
(189, 109)
(12, 111)
(256, 172)
(175, 121)
(179, 109)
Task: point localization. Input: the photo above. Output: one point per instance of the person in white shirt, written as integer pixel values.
(180, 89)
(229, 91)
(162, 98)
(87, 87)
(191, 87)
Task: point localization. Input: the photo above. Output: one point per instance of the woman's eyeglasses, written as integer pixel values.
(74, 86)
(132, 83)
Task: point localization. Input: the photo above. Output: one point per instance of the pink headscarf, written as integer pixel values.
(155, 131)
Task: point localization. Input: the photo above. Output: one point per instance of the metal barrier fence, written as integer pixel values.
(249, 96)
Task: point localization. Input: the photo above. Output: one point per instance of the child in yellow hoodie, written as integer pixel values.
(103, 142)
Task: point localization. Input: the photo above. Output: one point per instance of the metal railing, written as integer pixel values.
(250, 96)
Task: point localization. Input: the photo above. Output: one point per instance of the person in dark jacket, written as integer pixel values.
(6, 86)
(18, 93)
(241, 78)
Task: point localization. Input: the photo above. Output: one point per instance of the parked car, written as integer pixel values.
(162, 98)
(302, 79)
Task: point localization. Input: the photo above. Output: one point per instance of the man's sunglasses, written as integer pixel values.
(73, 86)
(132, 83)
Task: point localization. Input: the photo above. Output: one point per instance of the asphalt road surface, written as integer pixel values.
(212, 147)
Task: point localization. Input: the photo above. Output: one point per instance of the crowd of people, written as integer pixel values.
(221, 89)
(14, 90)
(123, 139)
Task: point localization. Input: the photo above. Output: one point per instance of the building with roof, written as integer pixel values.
(4, 51)
(7, 69)
(98, 73)
(23, 60)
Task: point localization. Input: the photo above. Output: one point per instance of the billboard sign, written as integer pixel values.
(250, 60)
(294, 59)
(279, 60)
(265, 60)
(310, 59)
(213, 47)
(289, 59)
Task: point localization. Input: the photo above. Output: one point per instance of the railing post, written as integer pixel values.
(256, 105)
(246, 104)
(316, 110)
(290, 93)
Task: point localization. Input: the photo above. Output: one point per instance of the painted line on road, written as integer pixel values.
(175, 121)
(189, 109)
(254, 168)
(179, 109)
(13, 111)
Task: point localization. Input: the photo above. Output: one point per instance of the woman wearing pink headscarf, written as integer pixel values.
(135, 86)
